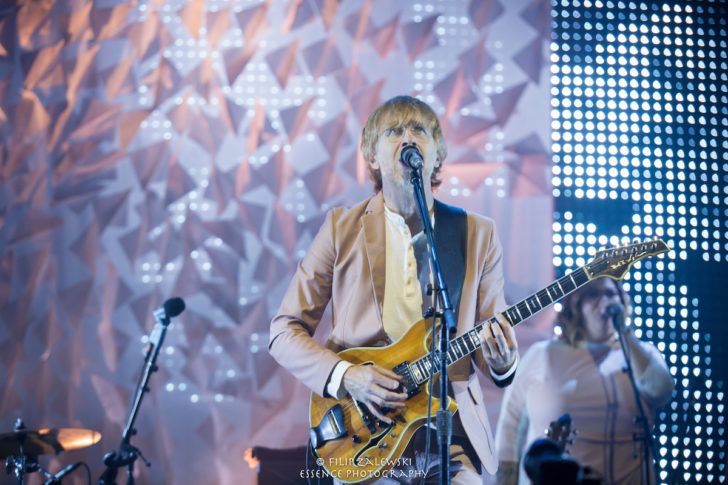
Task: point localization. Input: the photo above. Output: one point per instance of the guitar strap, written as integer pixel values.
(451, 244)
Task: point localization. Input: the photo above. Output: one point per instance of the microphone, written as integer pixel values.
(411, 157)
(170, 308)
(174, 306)
(57, 477)
(616, 312)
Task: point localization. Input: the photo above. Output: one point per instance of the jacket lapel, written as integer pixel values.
(374, 241)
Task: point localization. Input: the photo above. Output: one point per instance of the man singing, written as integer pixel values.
(371, 262)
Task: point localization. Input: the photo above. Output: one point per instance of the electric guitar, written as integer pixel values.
(353, 446)
(544, 462)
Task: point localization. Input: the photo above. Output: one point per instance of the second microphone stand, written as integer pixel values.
(448, 327)
(648, 442)
(128, 453)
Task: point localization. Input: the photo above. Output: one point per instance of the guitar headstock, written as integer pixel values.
(560, 431)
(615, 262)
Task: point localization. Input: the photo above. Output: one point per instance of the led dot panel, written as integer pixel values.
(639, 115)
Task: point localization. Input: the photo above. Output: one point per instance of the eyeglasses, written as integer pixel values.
(397, 131)
(595, 293)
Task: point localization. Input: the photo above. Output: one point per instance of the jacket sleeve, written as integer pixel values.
(491, 298)
(291, 343)
(513, 420)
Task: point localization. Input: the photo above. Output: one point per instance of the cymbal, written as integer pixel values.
(45, 441)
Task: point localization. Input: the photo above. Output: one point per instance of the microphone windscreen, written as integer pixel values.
(614, 310)
(174, 306)
(411, 157)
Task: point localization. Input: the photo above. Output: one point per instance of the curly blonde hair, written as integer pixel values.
(401, 110)
(570, 318)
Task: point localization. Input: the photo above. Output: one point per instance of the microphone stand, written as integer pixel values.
(648, 441)
(128, 453)
(444, 415)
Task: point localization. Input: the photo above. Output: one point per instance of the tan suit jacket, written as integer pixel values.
(345, 265)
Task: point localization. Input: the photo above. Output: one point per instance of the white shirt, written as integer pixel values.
(587, 381)
(407, 276)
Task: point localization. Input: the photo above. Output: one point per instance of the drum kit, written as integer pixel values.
(21, 447)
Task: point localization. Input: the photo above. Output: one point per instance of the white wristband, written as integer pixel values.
(334, 387)
(508, 373)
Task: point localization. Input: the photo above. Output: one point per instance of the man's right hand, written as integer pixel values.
(374, 386)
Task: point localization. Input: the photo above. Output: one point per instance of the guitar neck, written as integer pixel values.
(533, 304)
(613, 262)
(429, 365)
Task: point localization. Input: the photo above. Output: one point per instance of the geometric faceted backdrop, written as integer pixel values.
(191, 148)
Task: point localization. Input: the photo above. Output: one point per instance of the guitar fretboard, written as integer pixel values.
(428, 365)
(612, 262)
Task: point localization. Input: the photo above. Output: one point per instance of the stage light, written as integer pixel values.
(633, 123)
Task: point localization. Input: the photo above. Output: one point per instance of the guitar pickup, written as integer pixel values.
(410, 382)
(330, 428)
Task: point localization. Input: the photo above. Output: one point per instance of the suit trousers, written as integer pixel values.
(465, 466)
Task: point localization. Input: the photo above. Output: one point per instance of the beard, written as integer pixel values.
(400, 180)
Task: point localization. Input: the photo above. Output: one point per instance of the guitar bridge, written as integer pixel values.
(330, 427)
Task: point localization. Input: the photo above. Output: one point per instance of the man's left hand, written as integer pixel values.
(499, 344)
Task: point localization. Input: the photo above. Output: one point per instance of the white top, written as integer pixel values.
(587, 382)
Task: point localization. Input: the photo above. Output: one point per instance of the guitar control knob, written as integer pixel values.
(356, 438)
(392, 435)
(383, 444)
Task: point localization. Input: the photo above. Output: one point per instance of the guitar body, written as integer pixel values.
(368, 450)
